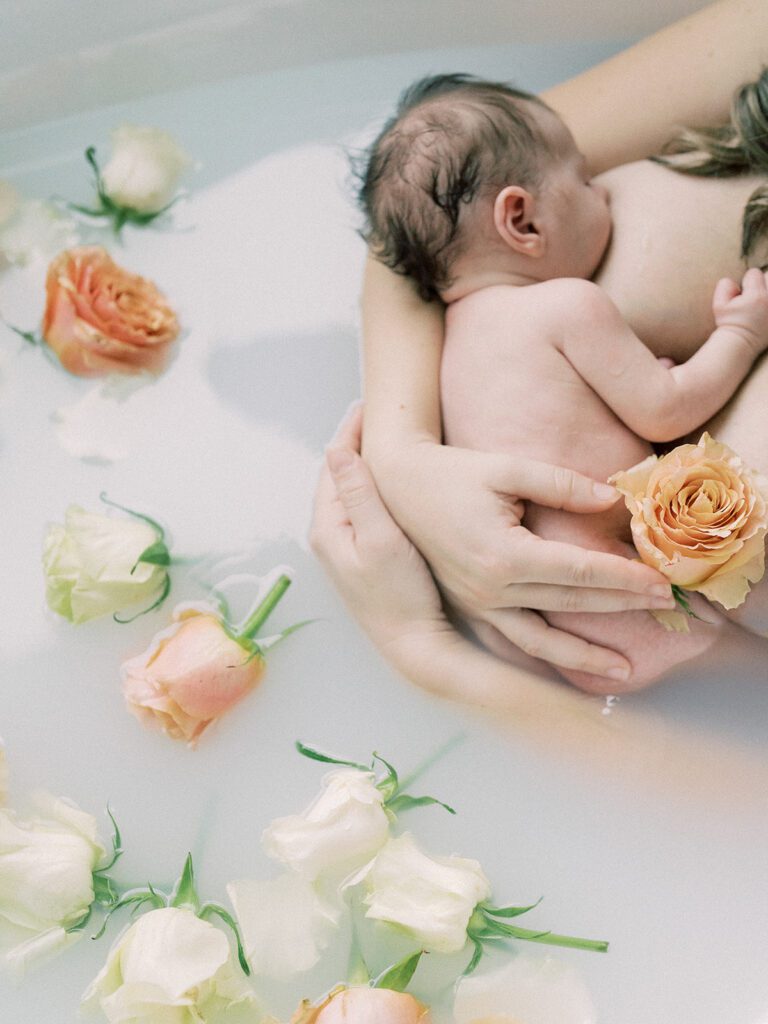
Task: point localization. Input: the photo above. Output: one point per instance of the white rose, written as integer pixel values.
(88, 565)
(340, 831)
(528, 990)
(144, 169)
(284, 922)
(3, 775)
(432, 898)
(169, 967)
(46, 866)
(34, 230)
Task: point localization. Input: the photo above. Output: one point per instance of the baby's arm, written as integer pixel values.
(656, 402)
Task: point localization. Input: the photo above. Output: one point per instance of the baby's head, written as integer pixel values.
(471, 178)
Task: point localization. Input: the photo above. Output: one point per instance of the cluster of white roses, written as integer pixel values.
(341, 857)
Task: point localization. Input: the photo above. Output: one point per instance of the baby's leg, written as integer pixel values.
(651, 650)
(743, 426)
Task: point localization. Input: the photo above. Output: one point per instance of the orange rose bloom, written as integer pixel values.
(101, 319)
(699, 516)
(364, 1006)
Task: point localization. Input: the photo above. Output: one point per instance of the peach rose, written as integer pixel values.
(189, 676)
(101, 319)
(699, 516)
(364, 1006)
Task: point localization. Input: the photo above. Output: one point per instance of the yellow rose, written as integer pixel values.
(699, 516)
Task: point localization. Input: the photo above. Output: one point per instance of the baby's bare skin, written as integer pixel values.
(516, 389)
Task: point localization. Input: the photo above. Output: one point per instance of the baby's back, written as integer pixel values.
(507, 387)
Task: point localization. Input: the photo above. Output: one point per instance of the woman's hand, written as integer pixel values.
(378, 572)
(463, 510)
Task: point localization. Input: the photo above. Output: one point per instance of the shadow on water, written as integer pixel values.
(303, 381)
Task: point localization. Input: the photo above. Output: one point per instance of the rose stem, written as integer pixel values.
(259, 616)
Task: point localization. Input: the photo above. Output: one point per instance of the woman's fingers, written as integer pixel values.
(549, 561)
(359, 498)
(550, 485)
(535, 637)
(349, 432)
(549, 598)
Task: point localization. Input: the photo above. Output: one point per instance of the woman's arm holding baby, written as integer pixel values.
(629, 106)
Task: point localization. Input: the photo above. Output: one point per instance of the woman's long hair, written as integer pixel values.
(738, 147)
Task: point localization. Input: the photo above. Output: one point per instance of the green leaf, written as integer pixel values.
(166, 589)
(138, 515)
(184, 893)
(404, 802)
(155, 554)
(398, 976)
(508, 911)
(209, 910)
(317, 755)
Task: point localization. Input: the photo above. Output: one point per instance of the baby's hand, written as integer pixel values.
(744, 309)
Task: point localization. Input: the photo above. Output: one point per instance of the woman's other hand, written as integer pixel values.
(381, 576)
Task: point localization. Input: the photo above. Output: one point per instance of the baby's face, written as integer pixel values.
(576, 212)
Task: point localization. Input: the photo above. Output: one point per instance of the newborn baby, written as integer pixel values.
(478, 193)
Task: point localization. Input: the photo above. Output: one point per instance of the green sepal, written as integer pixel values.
(404, 802)
(681, 600)
(80, 925)
(155, 554)
(166, 589)
(117, 845)
(105, 892)
(316, 755)
(398, 976)
(137, 897)
(29, 336)
(508, 911)
(137, 515)
(184, 893)
(208, 910)
(390, 784)
(477, 956)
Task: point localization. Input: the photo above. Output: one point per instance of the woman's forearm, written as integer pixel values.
(629, 106)
(402, 345)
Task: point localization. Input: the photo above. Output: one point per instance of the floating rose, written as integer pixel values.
(140, 180)
(528, 990)
(169, 966)
(97, 564)
(48, 879)
(443, 902)
(197, 669)
(363, 1005)
(699, 516)
(99, 318)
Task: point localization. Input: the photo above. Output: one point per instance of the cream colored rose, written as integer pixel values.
(47, 865)
(699, 516)
(530, 989)
(340, 831)
(144, 170)
(432, 898)
(90, 565)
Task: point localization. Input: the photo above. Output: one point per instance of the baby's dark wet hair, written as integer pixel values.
(453, 139)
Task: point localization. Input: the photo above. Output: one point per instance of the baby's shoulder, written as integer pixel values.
(547, 300)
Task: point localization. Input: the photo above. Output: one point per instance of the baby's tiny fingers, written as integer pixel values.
(725, 290)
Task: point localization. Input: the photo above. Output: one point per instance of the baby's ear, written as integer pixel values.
(514, 220)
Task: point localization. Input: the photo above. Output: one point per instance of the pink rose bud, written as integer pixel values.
(364, 1006)
(196, 670)
(100, 319)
